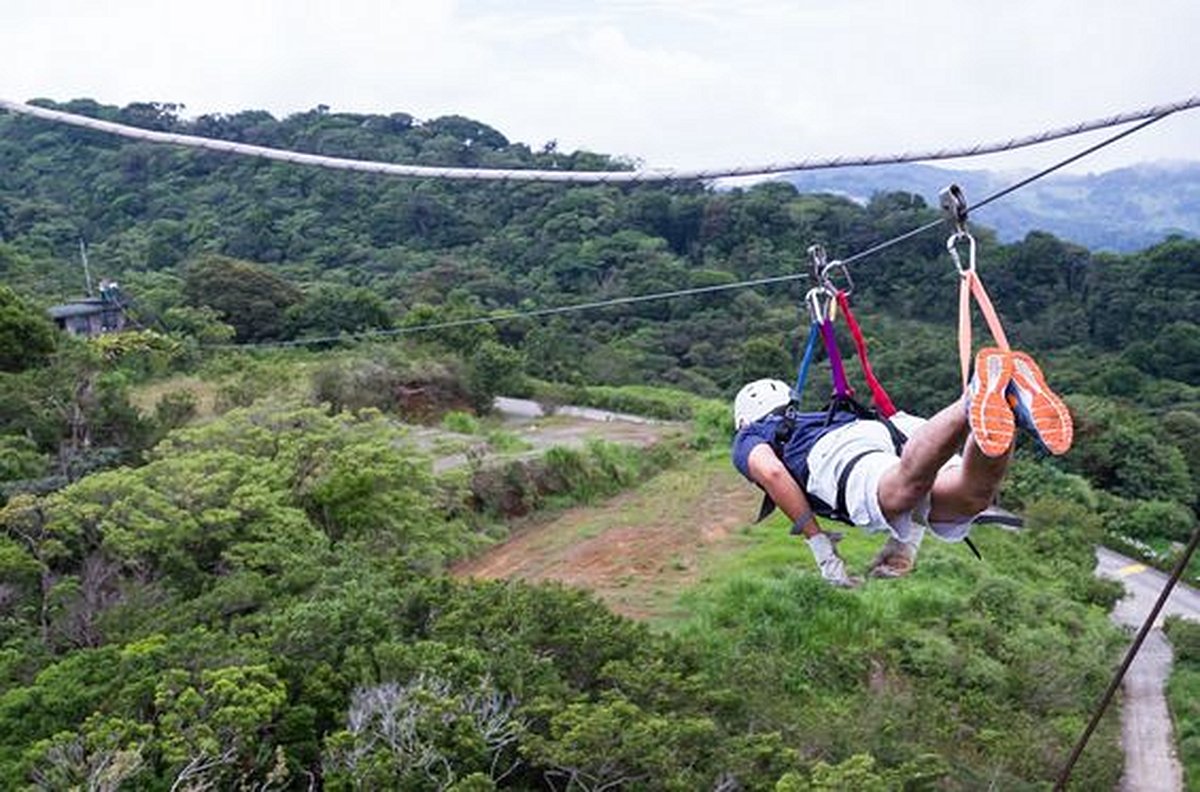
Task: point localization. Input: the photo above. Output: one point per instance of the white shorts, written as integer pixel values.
(831, 454)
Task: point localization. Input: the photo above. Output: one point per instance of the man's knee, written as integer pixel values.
(963, 500)
(978, 497)
(899, 493)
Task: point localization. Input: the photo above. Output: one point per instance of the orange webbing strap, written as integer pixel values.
(969, 285)
(882, 402)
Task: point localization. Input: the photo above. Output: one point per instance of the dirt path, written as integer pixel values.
(636, 550)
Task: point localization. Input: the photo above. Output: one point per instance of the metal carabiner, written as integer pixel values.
(816, 261)
(952, 246)
(813, 299)
(828, 283)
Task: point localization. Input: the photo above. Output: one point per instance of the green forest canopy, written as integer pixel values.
(258, 580)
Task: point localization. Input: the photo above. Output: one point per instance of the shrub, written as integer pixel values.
(711, 427)
(1156, 518)
(175, 409)
(1185, 638)
(461, 422)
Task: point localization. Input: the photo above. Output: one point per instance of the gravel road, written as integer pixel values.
(1146, 735)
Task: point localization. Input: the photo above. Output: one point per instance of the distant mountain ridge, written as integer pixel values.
(1122, 211)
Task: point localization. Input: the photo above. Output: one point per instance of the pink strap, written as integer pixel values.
(970, 284)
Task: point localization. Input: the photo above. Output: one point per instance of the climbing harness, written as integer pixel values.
(822, 302)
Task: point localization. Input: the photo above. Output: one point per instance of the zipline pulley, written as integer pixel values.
(954, 205)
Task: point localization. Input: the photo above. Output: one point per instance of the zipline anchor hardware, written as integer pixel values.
(954, 205)
(822, 268)
(817, 260)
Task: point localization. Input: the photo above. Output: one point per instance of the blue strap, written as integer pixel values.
(810, 347)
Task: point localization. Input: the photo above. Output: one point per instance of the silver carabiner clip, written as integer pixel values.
(952, 246)
(827, 282)
(816, 261)
(816, 313)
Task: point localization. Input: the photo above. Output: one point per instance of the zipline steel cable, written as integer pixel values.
(640, 298)
(588, 177)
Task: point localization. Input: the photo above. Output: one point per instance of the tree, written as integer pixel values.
(427, 729)
(761, 358)
(251, 298)
(1172, 353)
(27, 337)
(330, 309)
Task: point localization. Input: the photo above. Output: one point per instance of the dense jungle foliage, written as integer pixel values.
(259, 598)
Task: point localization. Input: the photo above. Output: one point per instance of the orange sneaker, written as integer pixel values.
(1038, 409)
(988, 411)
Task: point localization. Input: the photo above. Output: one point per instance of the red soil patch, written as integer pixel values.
(636, 550)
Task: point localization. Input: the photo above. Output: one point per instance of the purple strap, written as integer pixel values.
(840, 386)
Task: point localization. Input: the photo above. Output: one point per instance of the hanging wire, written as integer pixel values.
(590, 177)
(504, 317)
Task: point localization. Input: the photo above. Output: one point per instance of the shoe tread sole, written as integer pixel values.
(990, 416)
(1049, 415)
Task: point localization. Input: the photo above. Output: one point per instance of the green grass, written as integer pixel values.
(990, 664)
(1183, 696)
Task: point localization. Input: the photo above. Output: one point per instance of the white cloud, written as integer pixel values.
(686, 83)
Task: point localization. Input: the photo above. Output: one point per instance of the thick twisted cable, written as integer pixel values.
(587, 177)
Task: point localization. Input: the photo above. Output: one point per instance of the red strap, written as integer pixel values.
(882, 402)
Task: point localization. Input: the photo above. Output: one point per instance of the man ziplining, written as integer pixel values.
(947, 473)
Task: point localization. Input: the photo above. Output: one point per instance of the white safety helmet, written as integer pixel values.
(757, 399)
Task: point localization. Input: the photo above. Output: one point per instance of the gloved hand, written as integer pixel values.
(832, 567)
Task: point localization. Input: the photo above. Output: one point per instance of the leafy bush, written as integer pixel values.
(1029, 481)
(20, 459)
(1154, 519)
(461, 422)
(175, 409)
(418, 390)
(565, 475)
(711, 427)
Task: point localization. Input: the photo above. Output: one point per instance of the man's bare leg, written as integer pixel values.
(957, 492)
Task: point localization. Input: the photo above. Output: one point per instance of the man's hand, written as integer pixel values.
(832, 567)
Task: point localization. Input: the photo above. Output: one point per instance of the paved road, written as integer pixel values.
(568, 427)
(526, 408)
(1150, 762)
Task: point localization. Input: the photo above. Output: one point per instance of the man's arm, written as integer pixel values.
(769, 472)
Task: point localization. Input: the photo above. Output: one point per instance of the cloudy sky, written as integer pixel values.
(669, 83)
